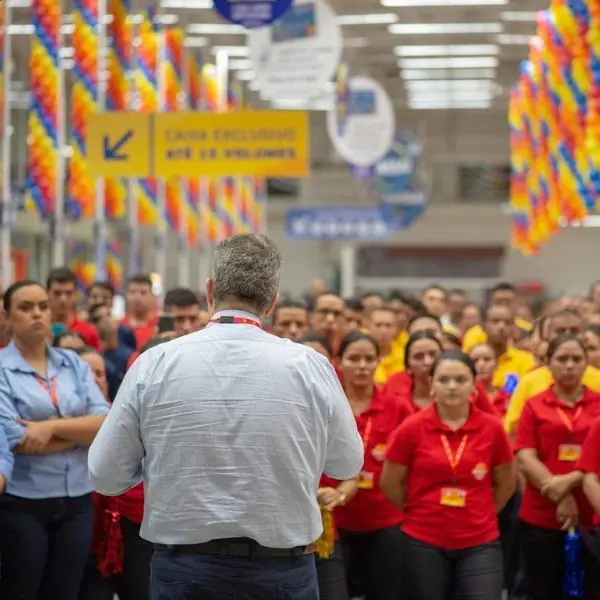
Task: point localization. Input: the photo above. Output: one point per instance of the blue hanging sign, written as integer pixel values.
(252, 14)
(403, 197)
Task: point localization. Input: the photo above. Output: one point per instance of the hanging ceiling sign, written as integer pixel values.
(252, 13)
(298, 55)
(370, 124)
(402, 195)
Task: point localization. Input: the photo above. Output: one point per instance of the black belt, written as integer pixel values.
(239, 547)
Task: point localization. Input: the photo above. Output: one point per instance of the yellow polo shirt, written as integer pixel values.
(516, 361)
(476, 335)
(535, 383)
(392, 363)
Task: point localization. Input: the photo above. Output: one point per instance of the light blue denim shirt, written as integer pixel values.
(23, 397)
(6, 457)
(231, 428)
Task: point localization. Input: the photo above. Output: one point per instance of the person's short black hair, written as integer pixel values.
(181, 297)
(425, 315)
(65, 334)
(141, 278)
(417, 306)
(356, 336)
(503, 286)
(103, 285)
(288, 303)
(95, 308)
(152, 343)
(457, 292)
(312, 301)
(455, 355)
(414, 338)
(561, 339)
(15, 287)
(354, 304)
(399, 296)
(318, 338)
(87, 350)
(61, 275)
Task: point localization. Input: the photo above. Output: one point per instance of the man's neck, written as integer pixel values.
(385, 349)
(238, 306)
(32, 353)
(66, 319)
(500, 348)
(139, 319)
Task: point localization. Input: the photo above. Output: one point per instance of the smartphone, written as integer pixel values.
(166, 323)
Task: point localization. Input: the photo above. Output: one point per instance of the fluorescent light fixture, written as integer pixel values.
(452, 84)
(456, 50)
(368, 19)
(420, 74)
(232, 50)
(216, 29)
(444, 28)
(513, 39)
(240, 64)
(519, 16)
(293, 104)
(441, 3)
(440, 105)
(186, 4)
(448, 99)
(245, 75)
(19, 3)
(196, 42)
(466, 62)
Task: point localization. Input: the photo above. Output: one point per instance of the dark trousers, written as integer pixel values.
(471, 574)
(376, 560)
(512, 553)
(544, 551)
(179, 576)
(134, 582)
(44, 546)
(332, 576)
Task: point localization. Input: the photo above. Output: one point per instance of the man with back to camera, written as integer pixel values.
(230, 428)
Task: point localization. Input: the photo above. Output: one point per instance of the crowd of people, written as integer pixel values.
(480, 426)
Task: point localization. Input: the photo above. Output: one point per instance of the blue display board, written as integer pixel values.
(252, 14)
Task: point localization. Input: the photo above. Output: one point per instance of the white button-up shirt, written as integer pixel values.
(230, 428)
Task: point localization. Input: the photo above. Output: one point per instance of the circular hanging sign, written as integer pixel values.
(370, 123)
(251, 13)
(299, 54)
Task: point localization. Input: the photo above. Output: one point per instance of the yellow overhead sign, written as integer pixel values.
(194, 144)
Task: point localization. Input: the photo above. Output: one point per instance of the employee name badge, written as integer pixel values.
(365, 481)
(569, 452)
(454, 497)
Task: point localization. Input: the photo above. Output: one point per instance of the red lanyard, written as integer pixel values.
(51, 391)
(569, 423)
(236, 321)
(454, 459)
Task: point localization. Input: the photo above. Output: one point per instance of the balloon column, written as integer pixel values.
(43, 157)
(554, 117)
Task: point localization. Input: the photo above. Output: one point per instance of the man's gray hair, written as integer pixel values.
(246, 268)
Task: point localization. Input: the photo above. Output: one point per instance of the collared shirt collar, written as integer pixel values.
(13, 360)
(432, 420)
(551, 399)
(241, 314)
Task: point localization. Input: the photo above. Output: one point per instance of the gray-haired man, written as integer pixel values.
(235, 427)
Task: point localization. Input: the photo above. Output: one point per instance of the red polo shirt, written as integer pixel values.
(87, 331)
(557, 431)
(418, 444)
(143, 333)
(370, 509)
(590, 455)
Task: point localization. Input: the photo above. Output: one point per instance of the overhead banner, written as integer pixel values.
(251, 13)
(257, 143)
(396, 184)
(298, 55)
(369, 126)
